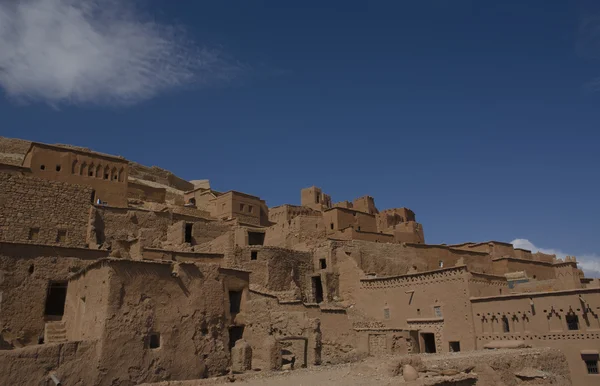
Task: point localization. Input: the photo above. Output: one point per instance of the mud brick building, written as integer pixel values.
(114, 273)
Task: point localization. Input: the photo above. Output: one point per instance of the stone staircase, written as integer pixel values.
(55, 332)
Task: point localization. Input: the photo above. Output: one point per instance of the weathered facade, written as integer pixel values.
(112, 273)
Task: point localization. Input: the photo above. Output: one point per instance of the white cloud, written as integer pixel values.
(590, 263)
(96, 52)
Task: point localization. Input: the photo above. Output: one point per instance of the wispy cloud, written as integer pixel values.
(97, 52)
(590, 263)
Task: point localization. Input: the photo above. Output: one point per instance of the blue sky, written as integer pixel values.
(482, 117)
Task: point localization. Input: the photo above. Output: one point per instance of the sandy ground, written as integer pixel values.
(361, 373)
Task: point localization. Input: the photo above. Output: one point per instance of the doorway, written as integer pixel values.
(428, 342)
(55, 299)
(317, 287)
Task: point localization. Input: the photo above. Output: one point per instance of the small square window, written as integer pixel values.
(61, 237)
(441, 264)
(331, 225)
(241, 207)
(437, 310)
(106, 176)
(154, 340)
(250, 208)
(592, 366)
(58, 168)
(254, 255)
(386, 313)
(34, 233)
(42, 167)
(323, 263)
(418, 312)
(454, 346)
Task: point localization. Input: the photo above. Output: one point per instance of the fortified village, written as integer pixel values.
(114, 273)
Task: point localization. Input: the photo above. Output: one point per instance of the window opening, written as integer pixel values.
(572, 321)
(323, 263)
(505, 324)
(188, 232)
(58, 168)
(154, 340)
(61, 236)
(254, 255)
(592, 366)
(256, 238)
(235, 301)
(454, 346)
(235, 333)
(34, 233)
(437, 311)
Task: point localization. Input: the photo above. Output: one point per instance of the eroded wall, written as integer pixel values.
(43, 211)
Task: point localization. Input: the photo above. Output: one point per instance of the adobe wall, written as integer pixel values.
(159, 175)
(407, 302)
(247, 209)
(408, 232)
(338, 219)
(275, 269)
(534, 269)
(539, 319)
(74, 363)
(49, 206)
(112, 224)
(107, 175)
(188, 309)
(25, 273)
(287, 212)
(386, 259)
(365, 204)
(301, 232)
(137, 191)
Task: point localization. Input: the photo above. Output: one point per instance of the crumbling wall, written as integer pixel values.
(297, 334)
(73, 363)
(141, 192)
(112, 224)
(43, 211)
(25, 273)
(275, 269)
(182, 306)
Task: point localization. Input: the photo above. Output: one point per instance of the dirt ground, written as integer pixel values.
(361, 373)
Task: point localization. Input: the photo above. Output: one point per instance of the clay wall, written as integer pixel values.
(287, 212)
(540, 320)
(275, 269)
(143, 192)
(388, 218)
(534, 269)
(159, 175)
(13, 150)
(42, 211)
(74, 363)
(411, 302)
(353, 234)
(408, 232)
(337, 219)
(365, 204)
(184, 306)
(26, 271)
(398, 259)
(244, 207)
(314, 198)
(113, 224)
(107, 175)
(302, 232)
